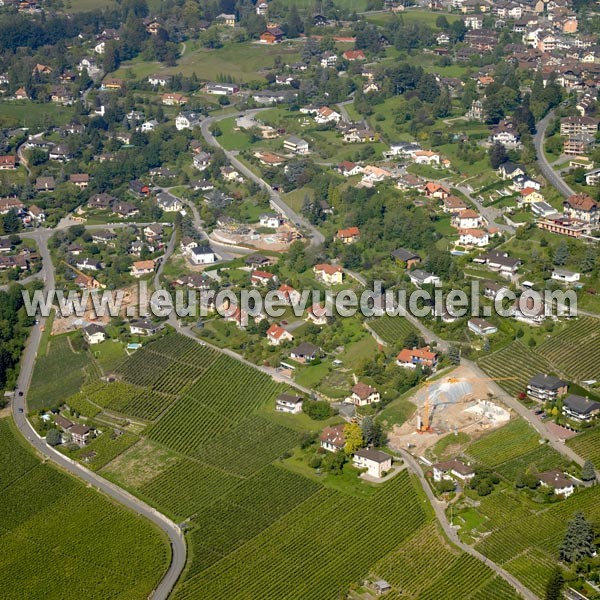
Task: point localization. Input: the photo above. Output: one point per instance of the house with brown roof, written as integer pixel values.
(261, 277)
(352, 55)
(332, 438)
(288, 403)
(556, 480)
(453, 204)
(44, 184)
(329, 274)
(436, 190)
(452, 469)
(363, 394)
(376, 463)
(8, 162)
(581, 207)
(174, 99)
(317, 314)
(81, 180)
(271, 35)
(142, 267)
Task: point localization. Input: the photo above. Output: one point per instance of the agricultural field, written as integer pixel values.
(82, 541)
(515, 360)
(575, 351)
(391, 329)
(587, 445)
(527, 542)
(65, 355)
(542, 458)
(505, 444)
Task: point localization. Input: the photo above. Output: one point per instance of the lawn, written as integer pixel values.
(57, 534)
(109, 354)
(34, 116)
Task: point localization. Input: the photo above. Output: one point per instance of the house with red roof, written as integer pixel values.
(317, 314)
(261, 277)
(363, 394)
(411, 359)
(278, 335)
(330, 274)
(352, 55)
(348, 236)
(333, 439)
(436, 190)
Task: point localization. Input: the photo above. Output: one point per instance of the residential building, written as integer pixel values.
(349, 235)
(174, 99)
(144, 327)
(8, 162)
(412, 358)
(271, 220)
(436, 190)
(187, 119)
(202, 255)
(581, 207)
(557, 480)
(352, 55)
(260, 278)
(168, 203)
(363, 394)
(80, 434)
(473, 238)
(317, 314)
(579, 126)
(81, 180)
(407, 257)
(288, 403)
(222, 89)
(277, 335)
(467, 219)
(330, 274)
(94, 333)
(296, 145)
(420, 277)
(228, 20)
(481, 327)
(376, 463)
(580, 408)
(332, 438)
(452, 469)
(545, 387)
(565, 276)
(305, 352)
(143, 267)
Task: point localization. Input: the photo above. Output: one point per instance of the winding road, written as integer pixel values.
(19, 410)
(553, 178)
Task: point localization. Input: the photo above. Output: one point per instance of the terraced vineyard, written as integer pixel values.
(56, 534)
(587, 445)
(542, 458)
(391, 329)
(575, 351)
(515, 360)
(507, 443)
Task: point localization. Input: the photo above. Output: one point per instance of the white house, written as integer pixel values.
(94, 333)
(278, 335)
(420, 277)
(148, 126)
(363, 394)
(452, 469)
(565, 276)
(481, 326)
(426, 157)
(376, 462)
(271, 220)
(556, 480)
(202, 255)
(473, 237)
(327, 115)
(288, 404)
(187, 119)
(144, 327)
(296, 145)
(466, 219)
(159, 80)
(168, 202)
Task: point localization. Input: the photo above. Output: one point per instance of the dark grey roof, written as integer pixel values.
(94, 328)
(305, 349)
(289, 398)
(404, 254)
(374, 455)
(580, 405)
(546, 382)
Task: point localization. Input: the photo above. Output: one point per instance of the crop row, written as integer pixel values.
(587, 445)
(391, 329)
(576, 350)
(66, 536)
(317, 549)
(495, 589)
(533, 568)
(542, 458)
(514, 361)
(507, 443)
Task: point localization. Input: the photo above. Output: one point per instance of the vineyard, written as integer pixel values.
(502, 445)
(515, 360)
(542, 458)
(392, 329)
(575, 351)
(58, 535)
(587, 445)
(535, 534)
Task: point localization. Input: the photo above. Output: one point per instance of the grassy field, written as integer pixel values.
(32, 115)
(57, 534)
(61, 356)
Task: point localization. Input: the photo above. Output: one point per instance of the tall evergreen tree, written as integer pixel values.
(579, 540)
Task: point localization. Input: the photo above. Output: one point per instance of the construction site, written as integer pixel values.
(460, 401)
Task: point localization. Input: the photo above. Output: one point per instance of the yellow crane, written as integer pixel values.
(423, 424)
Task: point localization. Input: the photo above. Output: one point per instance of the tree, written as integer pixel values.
(294, 26)
(53, 437)
(588, 471)
(411, 340)
(333, 462)
(372, 432)
(498, 155)
(578, 542)
(354, 438)
(554, 585)
(561, 253)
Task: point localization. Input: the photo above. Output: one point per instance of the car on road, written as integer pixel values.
(20, 410)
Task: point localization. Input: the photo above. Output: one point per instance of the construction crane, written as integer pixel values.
(423, 423)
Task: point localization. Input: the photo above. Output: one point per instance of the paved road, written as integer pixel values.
(440, 513)
(316, 237)
(19, 408)
(545, 167)
(488, 212)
